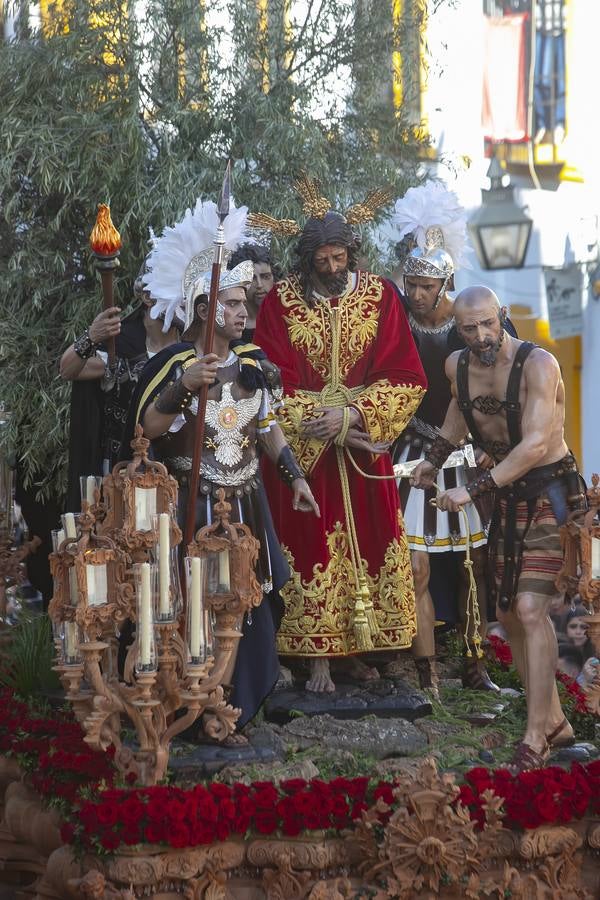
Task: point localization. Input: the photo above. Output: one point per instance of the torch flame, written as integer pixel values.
(105, 240)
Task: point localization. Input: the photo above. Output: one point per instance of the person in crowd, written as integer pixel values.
(101, 393)
(263, 280)
(576, 630)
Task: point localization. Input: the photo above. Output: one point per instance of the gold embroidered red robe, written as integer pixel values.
(356, 349)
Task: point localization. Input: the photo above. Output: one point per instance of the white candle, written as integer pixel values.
(224, 584)
(97, 585)
(69, 523)
(145, 508)
(73, 590)
(60, 536)
(163, 564)
(71, 640)
(595, 557)
(196, 629)
(91, 585)
(90, 489)
(145, 623)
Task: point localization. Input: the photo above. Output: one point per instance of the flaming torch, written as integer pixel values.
(105, 242)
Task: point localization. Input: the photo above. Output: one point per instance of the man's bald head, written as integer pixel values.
(476, 295)
(480, 322)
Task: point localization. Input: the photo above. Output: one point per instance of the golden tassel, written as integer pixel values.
(368, 604)
(362, 632)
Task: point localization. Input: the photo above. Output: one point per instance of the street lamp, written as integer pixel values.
(499, 229)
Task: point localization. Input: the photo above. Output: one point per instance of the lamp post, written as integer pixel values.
(499, 229)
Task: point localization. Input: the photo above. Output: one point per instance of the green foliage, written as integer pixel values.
(140, 105)
(26, 661)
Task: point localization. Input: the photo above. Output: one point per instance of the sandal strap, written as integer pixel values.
(525, 757)
(551, 738)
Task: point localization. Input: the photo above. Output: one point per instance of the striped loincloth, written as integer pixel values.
(542, 552)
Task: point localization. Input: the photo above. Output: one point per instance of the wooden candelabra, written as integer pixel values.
(172, 673)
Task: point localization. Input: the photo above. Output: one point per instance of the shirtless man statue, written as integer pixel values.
(510, 396)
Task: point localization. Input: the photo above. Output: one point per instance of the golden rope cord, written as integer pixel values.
(472, 599)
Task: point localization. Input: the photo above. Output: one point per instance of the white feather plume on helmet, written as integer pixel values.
(183, 254)
(433, 216)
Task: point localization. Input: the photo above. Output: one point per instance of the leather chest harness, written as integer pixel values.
(560, 481)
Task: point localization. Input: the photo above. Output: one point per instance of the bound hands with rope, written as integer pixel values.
(330, 421)
(424, 476)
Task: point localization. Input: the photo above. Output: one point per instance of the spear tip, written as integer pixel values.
(225, 198)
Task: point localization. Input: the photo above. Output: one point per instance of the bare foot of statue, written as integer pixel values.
(235, 740)
(320, 679)
(358, 670)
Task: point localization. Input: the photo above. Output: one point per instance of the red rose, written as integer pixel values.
(265, 823)
(107, 813)
(110, 840)
(293, 785)
(154, 833)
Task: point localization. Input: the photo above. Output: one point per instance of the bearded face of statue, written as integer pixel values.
(330, 264)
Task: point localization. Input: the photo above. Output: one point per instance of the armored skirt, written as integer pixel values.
(429, 529)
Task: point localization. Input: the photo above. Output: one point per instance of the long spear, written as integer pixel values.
(219, 242)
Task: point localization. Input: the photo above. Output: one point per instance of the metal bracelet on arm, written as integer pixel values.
(439, 451)
(287, 467)
(481, 485)
(84, 346)
(173, 398)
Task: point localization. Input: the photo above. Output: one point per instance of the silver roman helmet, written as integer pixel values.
(436, 223)
(180, 261)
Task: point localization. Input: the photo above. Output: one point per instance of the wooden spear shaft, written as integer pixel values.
(190, 521)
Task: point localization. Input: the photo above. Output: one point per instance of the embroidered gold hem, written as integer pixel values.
(319, 612)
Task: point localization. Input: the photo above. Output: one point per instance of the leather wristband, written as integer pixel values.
(439, 451)
(174, 398)
(84, 346)
(288, 468)
(482, 485)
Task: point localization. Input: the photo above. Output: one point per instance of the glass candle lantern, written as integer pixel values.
(88, 485)
(165, 557)
(145, 508)
(145, 575)
(595, 557)
(69, 524)
(71, 640)
(96, 582)
(68, 531)
(58, 536)
(218, 576)
(199, 632)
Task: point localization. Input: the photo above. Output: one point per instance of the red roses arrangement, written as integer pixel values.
(501, 650)
(203, 815)
(538, 797)
(52, 750)
(60, 766)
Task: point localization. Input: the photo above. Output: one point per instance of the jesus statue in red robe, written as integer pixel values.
(352, 379)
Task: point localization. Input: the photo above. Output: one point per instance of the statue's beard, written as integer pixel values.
(487, 354)
(335, 284)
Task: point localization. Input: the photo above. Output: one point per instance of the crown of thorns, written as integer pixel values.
(315, 205)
